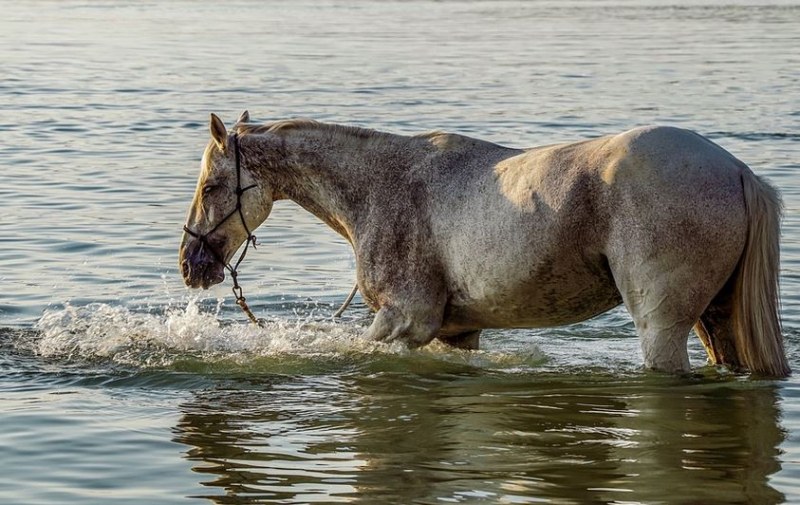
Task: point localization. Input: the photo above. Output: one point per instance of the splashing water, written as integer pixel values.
(101, 332)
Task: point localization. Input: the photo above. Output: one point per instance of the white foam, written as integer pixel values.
(117, 334)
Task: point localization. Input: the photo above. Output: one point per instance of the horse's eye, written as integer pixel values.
(208, 188)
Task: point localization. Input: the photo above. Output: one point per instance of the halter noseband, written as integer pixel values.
(251, 239)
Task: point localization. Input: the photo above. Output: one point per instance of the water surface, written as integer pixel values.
(117, 384)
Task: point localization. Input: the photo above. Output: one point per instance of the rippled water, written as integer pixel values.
(119, 385)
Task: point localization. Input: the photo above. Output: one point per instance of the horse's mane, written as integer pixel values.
(286, 125)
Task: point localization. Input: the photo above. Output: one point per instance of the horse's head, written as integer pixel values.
(228, 204)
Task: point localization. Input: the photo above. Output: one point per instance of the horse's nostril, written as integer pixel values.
(186, 268)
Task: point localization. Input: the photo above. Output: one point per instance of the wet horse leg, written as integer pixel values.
(401, 279)
(664, 344)
(668, 277)
(468, 340)
(412, 323)
(716, 331)
(664, 309)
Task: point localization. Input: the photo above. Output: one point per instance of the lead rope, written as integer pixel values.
(241, 301)
(347, 301)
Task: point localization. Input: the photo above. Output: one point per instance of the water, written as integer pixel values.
(119, 385)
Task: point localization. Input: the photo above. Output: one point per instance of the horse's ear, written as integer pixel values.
(244, 117)
(218, 131)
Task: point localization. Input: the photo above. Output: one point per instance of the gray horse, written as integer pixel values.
(453, 234)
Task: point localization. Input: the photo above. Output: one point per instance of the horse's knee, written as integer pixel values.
(383, 324)
(414, 328)
(469, 340)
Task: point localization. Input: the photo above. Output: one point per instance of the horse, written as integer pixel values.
(453, 235)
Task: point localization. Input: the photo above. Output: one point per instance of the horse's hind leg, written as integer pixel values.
(664, 304)
(715, 330)
(664, 343)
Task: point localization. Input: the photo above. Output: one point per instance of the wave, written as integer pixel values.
(194, 338)
(755, 136)
(191, 339)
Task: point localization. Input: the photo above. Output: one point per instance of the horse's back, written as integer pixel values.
(514, 240)
(537, 241)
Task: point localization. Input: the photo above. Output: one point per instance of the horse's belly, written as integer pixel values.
(554, 296)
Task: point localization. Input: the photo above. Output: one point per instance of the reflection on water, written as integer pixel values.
(492, 438)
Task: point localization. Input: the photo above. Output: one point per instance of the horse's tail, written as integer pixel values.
(756, 304)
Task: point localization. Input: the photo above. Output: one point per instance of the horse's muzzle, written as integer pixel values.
(199, 266)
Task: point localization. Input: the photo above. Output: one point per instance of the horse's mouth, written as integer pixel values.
(203, 274)
(199, 267)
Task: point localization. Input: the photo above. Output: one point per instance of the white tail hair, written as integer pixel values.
(756, 304)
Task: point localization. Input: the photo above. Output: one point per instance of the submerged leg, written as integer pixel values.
(664, 344)
(413, 324)
(715, 330)
(664, 306)
(469, 340)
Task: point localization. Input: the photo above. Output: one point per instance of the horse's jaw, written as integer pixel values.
(199, 268)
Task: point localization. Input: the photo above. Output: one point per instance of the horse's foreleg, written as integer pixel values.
(469, 340)
(414, 324)
(404, 282)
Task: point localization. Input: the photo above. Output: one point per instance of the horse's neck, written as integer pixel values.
(335, 172)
